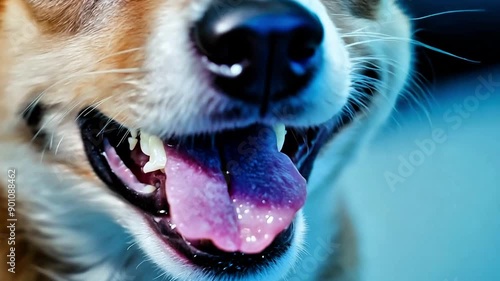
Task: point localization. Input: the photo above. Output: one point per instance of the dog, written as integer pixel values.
(178, 140)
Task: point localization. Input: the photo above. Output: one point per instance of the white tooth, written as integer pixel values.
(134, 133)
(148, 189)
(132, 140)
(157, 157)
(132, 143)
(145, 143)
(280, 131)
(151, 167)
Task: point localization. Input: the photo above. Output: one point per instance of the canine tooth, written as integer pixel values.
(132, 143)
(145, 143)
(151, 167)
(280, 131)
(157, 157)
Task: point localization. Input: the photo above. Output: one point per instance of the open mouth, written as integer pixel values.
(224, 201)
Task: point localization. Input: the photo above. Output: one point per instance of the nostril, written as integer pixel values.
(233, 48)
(304, 44)
(301, 54)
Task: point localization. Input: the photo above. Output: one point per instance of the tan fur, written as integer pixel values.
(100, 48)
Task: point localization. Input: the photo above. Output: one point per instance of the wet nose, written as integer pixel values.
(259, 51)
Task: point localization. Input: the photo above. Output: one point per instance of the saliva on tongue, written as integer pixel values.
(242, 206)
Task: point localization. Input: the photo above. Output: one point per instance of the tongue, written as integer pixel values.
(265, 190)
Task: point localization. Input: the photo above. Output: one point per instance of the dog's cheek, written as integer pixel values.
(70, 161)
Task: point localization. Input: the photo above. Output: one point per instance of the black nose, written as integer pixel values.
(259, 50)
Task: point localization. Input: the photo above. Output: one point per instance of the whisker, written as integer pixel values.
(46, 123)
(131, 50)
(448, 13)
(381, 38)
(79, 75)
(59, 145)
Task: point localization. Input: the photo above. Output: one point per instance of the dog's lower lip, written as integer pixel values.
(218, 261)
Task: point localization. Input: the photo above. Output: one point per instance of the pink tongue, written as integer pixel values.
(265, 191)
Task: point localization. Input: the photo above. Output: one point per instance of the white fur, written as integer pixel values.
(346, 145)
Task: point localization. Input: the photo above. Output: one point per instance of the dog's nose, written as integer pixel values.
(259, 50)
